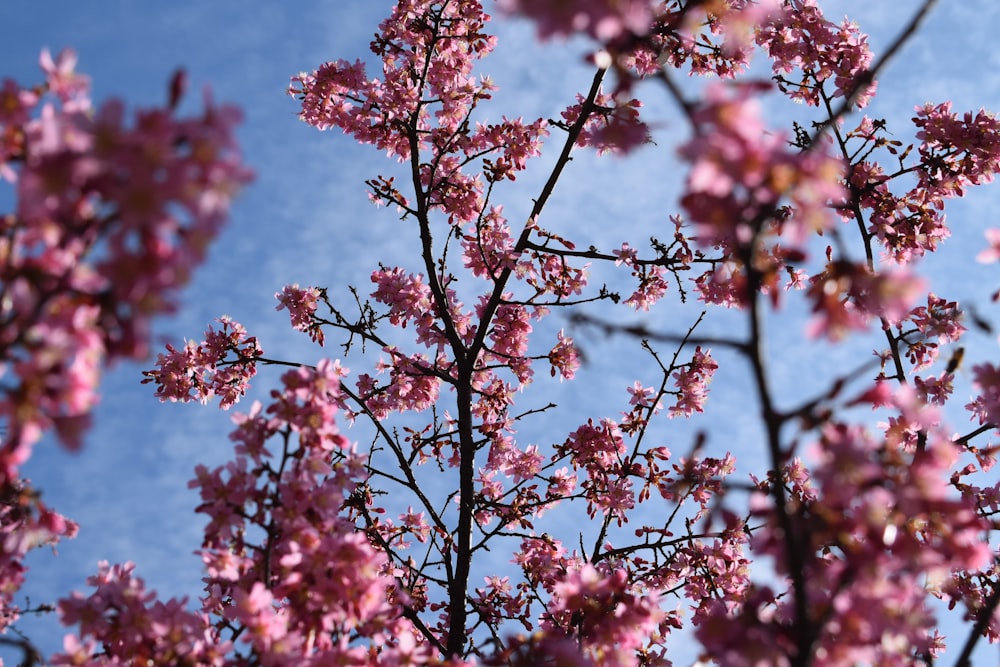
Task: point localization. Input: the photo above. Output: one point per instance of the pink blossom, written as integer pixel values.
(16, 105)
(113, 213)
(848, 296)
(564, 357)
(986, 405)
(612, 126)
(301, 305)
(407, 296)
(604, 20)
(939, 319)
(612, 622)
(801, 38)
(411, 386)
(62, 79)
(489, 247)
(625, 255)
(26, 523)
(692, 384)
(642, 396)
(221, 365)
(883, 511)
(740, 172)
(652, 287)
(130, 624)
(992, 253)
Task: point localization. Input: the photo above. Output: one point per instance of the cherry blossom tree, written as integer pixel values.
(325, 549)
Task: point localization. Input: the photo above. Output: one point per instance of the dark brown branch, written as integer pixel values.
(641, 331)
(984, 616)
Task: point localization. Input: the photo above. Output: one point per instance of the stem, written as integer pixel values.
(465, 363)
(802, 629)
(31, 655)
(983, 619)
(459, 583)
(543, 197)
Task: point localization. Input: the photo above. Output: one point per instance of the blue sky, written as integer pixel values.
(307, 219)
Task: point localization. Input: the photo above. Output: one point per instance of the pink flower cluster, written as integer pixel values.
(550, 274)
(954, 153)
(715, 575)
(992, 253)
(26, 523)
(614, 125)
(410, 301)
(708, 39)
(407, 296)
(692, 384)
(604, 20)
(113, 212)
(488, 247)
(564, 357)
(699, 479)
(937, 323)
(221, 365)
(652, 287)
(880, 513)
(957, 151)
(847, 296)
(801, 38)
(600, 450)
(290, 577)
(741, 172)
(739, 630)
(652, 274)
(594, 614)
(301, 305)
(124, 623)
(412, 385)
(986, 405)
(516, 142)
(395, 112)
(645, 402)
(509, 337)
(973, 588)
(611, 620)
